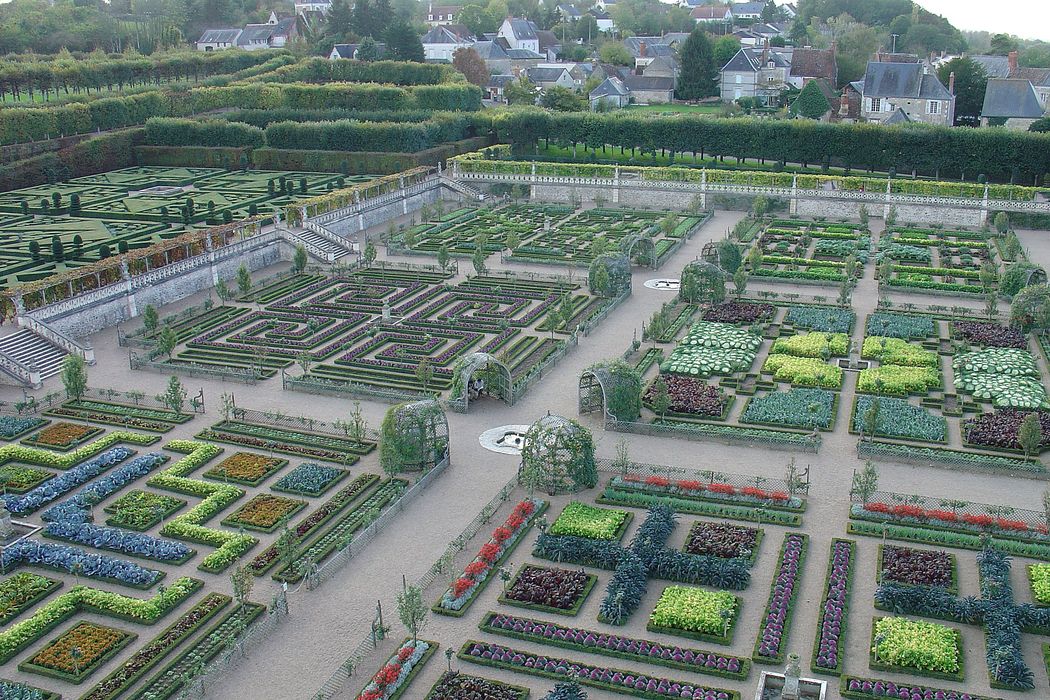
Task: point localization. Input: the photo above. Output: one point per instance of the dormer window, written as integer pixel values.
(772, 64)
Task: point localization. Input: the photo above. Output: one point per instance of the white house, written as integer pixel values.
(441, 42)
(304, 6)
(442, 14)
(748, 10)
(604, 19)
(712, 14)
(349, 51)
(520, 34)
(218, 39)
(909, 87)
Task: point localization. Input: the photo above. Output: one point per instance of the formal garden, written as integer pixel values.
(48, 229)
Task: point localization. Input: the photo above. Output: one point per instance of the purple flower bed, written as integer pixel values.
(738, 312)
(575, 638)
(990, 334)
(777, 621)
(917, 567)
(830, 633)
(689, 395)
(999, 429)
(854, 687)
(616, 680)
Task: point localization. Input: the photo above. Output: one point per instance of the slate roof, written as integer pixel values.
(663, 63)
(813, 63)
(902, 80)
(490, 50)
(256, 34)
(545, 75)
(610, 87)
(1037, 76)
(899, 116)
(219, 36)
(523, 28)
(747, 8)
(345, 50)
(1004, 97)
(523, 54)
(648, 82)
(547, 39)
(569, 11)
(448, 34)
(750, 60)
(993, 66)
(500, 81)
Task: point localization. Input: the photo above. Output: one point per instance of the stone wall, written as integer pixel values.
(809, 208)
(347, 228)
(622, 197)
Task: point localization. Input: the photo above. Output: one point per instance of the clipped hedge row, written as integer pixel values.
(187, 156)
(352, 135)
(453, 97)
(95, 155)
(205, 132)
(321, 70)
(19, 124)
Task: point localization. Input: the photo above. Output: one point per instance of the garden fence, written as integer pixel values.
(318, 385)
(131, 398)
(190, 369)
(710, 476)
(954, 459)
(522, 384)
(591, 323)
(367, 646)
(962, 508)
(279, 420)
(334, 563)
(802, 442)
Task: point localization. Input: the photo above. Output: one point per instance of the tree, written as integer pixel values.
(566, 310)
(222, 290)
(244, 279)
(1002, 44)
(740, 281)
(601, 280)
(361, 23)
(174, 397)
(299, 259)
(729, 257)
(520, 92)
(1030, 434)
(34, 250)
(723, 50)
(811, 102)
(150, 318)
(412, 610)
(243, 580)
(513, 240)
(167, 340)
(58, 252)
(368, 51)
(1002, 222)
(340, 20)
(424, 373)
(865, 482)
(74, 376)
(478, 259)
(759, 207)
(661, 398)
(478, 20)
(403, 44)
(871, 418)
(562, 99)
(616, 54)
(370, 253)
(698, 76)
(970, 83)
(442, 256)
(467, 61)
(1040, 125)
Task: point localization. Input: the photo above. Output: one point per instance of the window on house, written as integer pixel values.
(736, 94)
(769, 79)
(772, 64)
(876, 104)
(738, 79)
(933, 107)
(430, 18)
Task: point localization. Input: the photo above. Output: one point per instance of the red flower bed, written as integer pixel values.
(917, 567)
(722, 540)
(738, 312)
(999, 429)
(689, 395)
(552, 588)
(989, 334)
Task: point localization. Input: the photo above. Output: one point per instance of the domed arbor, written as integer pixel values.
(642, 246)
(616, 275)
(413, 437)
(1030, 308)
(557, 456)
(702, 282)
(480, 371)
(615, 388)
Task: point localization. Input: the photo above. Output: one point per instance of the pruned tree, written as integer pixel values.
(865, 482)
(1030, 435)
(174, 397)
(299, 259)
(150, 318)
(244, 279)
(74, 376)
(243, 580)
(412, 610)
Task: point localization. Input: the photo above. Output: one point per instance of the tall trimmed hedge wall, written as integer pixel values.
(453, 97)
(1000, 154)
(90, 156)
(19, 124)
(321, 70)
(204, 132)
(352, 135)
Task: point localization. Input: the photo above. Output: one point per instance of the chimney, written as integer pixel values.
(951, 82)
(844, 104)
(642, 48)
(1012, 59)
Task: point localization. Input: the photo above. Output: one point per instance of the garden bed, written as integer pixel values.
(696, 614)
(545, 589)
(97, 644)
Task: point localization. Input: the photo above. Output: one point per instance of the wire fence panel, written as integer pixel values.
(710, 476)
(802, 442)
(279, 420)
(962, 508)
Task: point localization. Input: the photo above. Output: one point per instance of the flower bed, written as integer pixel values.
(454, 685)
(864, 688)
(558, 591)
(22, 591)
(62, 436)
(829, 644)
(9, 690)
(96, 645)
(18, 479)
(616, 646)
(755, 514)
(245, 468)
(990, 335)
(113, 685)
(264, 512)
(950, 520)
(309, 479)
(14, 427)
(696, 614)
(459, 596)
(776, 624)
(916, 567)
(999, 429)
(53, 460)
(583, 520)
(900, 326)
(723, 540)
(141, 510)
(393, 679)
(298, 443)
(803, 371)
(64, 483)
(945, 538)
(827, 319)
(603, 678)
(801, 408)
(917, 647)
(1039, 579)
(899, 381)
(713, 348)
(690, 396)
(894, 351)
(899, 419)
(314, 521)
(738, 312)
(815, 344)
(709, 491)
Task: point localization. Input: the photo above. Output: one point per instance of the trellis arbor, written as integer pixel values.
(640, 247)
(557, 455)
(413, 437)
(702, 282)
(616, 278)
(480, 373)
(615, 388)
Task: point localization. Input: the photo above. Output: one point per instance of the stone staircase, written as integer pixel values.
(320, 244)
(30, 350)
(464, 189)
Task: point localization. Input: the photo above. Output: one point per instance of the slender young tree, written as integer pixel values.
(74, 376)
(1030, 435)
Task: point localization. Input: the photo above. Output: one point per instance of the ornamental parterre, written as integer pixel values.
(832, 626)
